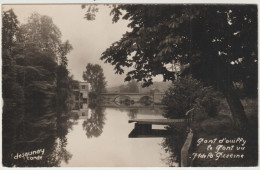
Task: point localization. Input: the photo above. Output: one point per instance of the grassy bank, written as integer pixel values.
(220, 127)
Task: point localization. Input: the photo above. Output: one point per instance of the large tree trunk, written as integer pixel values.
(238, 113)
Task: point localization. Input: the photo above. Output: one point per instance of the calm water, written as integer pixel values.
(89, 138)
(103, 140)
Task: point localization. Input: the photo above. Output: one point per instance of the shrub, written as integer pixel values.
(187, 93)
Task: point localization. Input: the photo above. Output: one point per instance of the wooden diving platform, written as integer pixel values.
(143, 127)
(153, 133)
(157, 121)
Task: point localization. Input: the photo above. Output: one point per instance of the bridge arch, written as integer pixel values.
(123, 99)
(146, 100)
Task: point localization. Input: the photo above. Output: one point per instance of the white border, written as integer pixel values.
(130, 2)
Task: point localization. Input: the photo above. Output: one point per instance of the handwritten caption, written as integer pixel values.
(32, 155)
(221, 148)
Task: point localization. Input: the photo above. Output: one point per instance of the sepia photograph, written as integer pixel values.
(129, 85)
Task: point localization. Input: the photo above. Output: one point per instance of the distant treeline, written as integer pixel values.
(136, 87)
(36, 90)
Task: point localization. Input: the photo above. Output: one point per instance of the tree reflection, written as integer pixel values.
(62, 153)
(172, 144)
(32, 133)
(94, 125)
(132, 113)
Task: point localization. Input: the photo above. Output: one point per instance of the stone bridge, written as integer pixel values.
(131, 98)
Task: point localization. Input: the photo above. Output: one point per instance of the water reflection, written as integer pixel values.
(81, 138)
(95, 123)
(132, 113)
(173, 143)
(46, 130)
(113, 147)
(108, 126)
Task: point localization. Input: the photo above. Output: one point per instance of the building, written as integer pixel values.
(80, 91)
(83, 112)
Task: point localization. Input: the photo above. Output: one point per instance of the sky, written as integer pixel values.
(88, 38)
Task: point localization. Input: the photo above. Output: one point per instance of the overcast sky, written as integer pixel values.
(88, 38)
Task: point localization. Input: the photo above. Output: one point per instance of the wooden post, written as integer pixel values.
(186, 124)
(188, 119)
(185, 150)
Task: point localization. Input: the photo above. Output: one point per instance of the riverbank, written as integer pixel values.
(217, 141)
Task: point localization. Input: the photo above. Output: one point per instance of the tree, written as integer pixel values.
(41, 33)
(131, 87)
(12, 91)
(188, 93)
(63, 50)
(95, 76)
(9, 29)
(36, 92)
(219, 42)
(42, 57)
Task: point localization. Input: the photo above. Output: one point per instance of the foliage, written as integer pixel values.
(172, 145)
(184, 94)
(93, 97)
(40, 32)
(63, 50)
(187, 93)
(157, 87)
(13, 94)
(36, 90)
(9, 29)
(218, 42)
(185, 36)
(131, 87)
(95, 76)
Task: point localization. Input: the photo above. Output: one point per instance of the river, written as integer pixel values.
(89, 137)
(108, 144)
